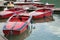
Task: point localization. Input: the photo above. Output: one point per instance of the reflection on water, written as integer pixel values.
(45, 29)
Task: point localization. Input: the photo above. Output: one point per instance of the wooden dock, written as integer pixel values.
(56, 9)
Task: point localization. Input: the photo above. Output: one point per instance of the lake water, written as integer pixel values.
(56, 2)
(43, 29)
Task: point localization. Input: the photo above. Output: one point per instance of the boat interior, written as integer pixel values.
(43, 10)
(21, 10)
(19, 18)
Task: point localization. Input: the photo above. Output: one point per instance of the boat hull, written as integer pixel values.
(39, 5)
(10, 12)
(16, 25)
(46, 13)
(38, 17)
(15, 32)
(6, 16)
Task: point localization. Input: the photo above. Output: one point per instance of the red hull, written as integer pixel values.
(14, 32)
(47, 13)
(6, 16)
(38, 5)
(16, 25)
(38, 17)
(21, 31)
(10, 12)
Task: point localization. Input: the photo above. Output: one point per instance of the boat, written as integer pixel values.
(39, 5)
(29, 3)
(50, 6)
(34, 8)
(19, 37)
(39, 13)
(43, 13)
(16, 24)
(10, 12)
(35, 3)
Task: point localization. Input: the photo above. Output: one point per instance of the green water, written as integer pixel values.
(56, 2)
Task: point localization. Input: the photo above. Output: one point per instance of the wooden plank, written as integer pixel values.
(56, 9)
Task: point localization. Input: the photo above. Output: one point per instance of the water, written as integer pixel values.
(45, 30)
(56, 2)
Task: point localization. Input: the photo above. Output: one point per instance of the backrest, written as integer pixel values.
(15, 19)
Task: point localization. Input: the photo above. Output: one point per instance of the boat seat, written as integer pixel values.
(15, 19)
(24, 18)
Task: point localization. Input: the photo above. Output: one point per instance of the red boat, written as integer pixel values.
(10, 12)
(43, 11)
(50, 6)
(16, 25)
(40, 13)
(28, 4)
(5, 14)
(31, 7)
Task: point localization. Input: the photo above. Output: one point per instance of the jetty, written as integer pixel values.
(56, 10)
